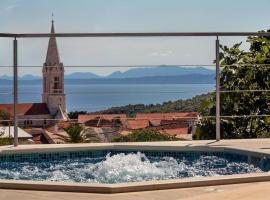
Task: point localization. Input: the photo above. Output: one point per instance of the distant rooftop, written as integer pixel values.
(27, 109)
(86, 117)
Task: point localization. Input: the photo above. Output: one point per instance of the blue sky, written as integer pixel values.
(126, 16)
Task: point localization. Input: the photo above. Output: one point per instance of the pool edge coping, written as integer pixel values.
(134, 186)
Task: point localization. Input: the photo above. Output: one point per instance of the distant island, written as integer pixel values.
(184, 79)
(154, 75)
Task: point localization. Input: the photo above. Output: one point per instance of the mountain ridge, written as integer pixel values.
(180, 79)
(160, 71)
(163, 70)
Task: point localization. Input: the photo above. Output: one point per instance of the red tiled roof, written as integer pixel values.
(125, 132)
(173, 123)
(86, 117)
(156, 118)
(167, 116)
(176, 131)
(27, 108)
(137, 124)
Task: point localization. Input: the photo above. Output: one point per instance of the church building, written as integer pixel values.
(53, 79)
(53, 106)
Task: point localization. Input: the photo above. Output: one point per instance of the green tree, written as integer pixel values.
(4, 115)
(243, 72)
(145, 135)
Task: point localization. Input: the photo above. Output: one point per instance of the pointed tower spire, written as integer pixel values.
(53, 79)
(52, 17)
(52, 57)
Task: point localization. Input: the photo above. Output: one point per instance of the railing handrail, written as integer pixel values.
(126, 34)
(135, 34)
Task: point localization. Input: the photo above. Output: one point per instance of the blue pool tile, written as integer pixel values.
(100, 154)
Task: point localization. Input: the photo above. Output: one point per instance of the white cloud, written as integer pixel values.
(12, 5)
(9, 8)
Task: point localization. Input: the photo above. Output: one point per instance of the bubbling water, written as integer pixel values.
(122, 167)
(135, 167)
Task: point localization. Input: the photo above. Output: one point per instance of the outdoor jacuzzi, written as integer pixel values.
(101, 168)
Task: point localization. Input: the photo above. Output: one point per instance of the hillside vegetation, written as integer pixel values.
(188, 105)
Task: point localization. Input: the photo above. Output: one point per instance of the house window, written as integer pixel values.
(27, 122)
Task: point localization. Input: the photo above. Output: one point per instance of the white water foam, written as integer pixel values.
(134, 167)
(123, 168)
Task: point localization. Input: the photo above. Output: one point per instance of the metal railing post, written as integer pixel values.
(217, 91)
(15, 91)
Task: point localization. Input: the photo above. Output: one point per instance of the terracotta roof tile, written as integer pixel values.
(176, 131)
(157, 118)
(138, 124)
(125, 132)
(86, 117)
(27, 108)
(167, 116)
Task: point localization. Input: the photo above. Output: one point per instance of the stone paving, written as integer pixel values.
(249, 191)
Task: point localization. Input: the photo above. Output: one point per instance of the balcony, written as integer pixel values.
(49, 122)
(218, 120)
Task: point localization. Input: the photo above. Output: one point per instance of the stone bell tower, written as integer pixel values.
(53, 78)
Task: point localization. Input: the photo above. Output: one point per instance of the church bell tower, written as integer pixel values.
(53, 78)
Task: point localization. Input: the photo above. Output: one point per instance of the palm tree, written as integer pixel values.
(91, 135)
(79, 134)
(74, 132)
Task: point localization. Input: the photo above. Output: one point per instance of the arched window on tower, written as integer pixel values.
(56, 85)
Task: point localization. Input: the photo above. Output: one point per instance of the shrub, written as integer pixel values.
(145, 135)
(4, 115)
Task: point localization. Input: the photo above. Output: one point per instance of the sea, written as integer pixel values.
(95, 97)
